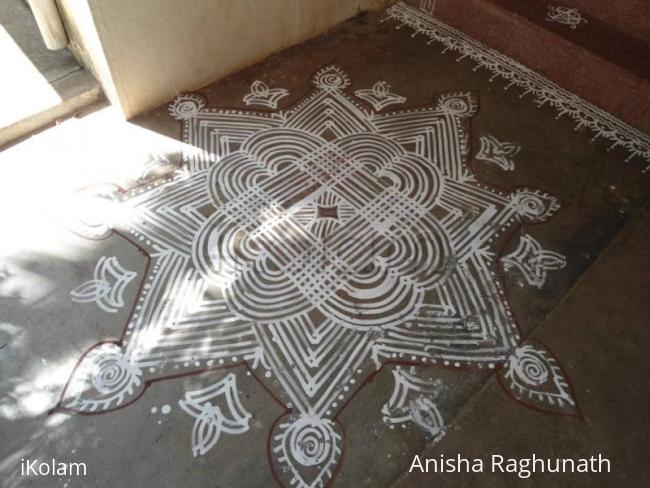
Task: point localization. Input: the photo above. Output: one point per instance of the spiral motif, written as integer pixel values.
(104, 380)
(186, 107)
(311, 441)
(331, 78)
(531, 368)
(534, 206)
(457, 104)
(533, 377)
(112, 373)
(531, 205)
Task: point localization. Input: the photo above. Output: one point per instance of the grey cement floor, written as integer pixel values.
(600, 328)
(591, 313)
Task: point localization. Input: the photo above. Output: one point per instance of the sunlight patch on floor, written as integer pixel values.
(23, 89)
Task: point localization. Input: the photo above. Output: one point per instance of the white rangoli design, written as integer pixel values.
(107, 287)
(261, 94)
(310, 447)
(533, 376)
(111, 376)
(313, 244)
(602, 123)
(413, 400)
(210, 418)
(499, 153)
(565, 15)
(533, 261)
(88, 211)
(380, 96)
(157, 161)
(428, 6)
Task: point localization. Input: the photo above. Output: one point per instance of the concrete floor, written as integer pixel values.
(590, 313)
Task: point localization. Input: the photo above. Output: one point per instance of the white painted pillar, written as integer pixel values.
(49, 23)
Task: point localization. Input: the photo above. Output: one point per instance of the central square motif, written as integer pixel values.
(327, 212)
(270, 252)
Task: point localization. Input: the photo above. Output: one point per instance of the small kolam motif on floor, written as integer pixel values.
(565, 15)
(501, 154)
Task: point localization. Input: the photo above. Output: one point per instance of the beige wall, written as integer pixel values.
(85, 43)
(144, 52)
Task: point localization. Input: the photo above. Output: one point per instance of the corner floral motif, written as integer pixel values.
(261, 94)
(380, 96)
(414, 400)
(216, 409)
(499, 153)
(533, 261)
(106, 289)
(565, 15)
